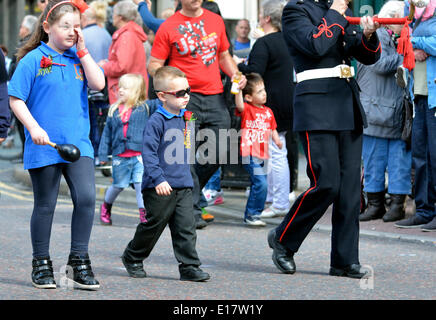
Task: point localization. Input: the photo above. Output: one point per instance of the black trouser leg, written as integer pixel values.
(333, 166)
(175, 210)
(321, 150)
(346, 208)
(183, 231)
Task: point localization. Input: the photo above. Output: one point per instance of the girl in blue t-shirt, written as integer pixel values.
(122, 137)
(48, 94)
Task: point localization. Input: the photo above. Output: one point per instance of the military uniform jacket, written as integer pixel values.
(318, 37)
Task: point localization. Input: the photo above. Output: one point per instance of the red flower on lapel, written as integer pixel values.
(48, 62)
(188, 115)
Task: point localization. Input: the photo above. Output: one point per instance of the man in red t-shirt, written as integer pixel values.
(195, 41)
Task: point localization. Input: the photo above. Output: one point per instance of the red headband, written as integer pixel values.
(79, 4)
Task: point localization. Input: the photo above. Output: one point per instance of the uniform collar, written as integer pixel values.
(168, 114)
(47, 51)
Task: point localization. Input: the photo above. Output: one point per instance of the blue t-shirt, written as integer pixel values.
(57, 99)
(241, 46)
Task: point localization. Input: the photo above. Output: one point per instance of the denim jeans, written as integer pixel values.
(381, 155)
(214, 182)
(259, 186)
(424, 157)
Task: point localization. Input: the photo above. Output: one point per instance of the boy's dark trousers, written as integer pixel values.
(333, 166)
(174, 210)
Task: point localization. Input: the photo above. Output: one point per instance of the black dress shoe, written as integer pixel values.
(282, 257)
(192, 273)
(42, 273)
(134, 269)
(82, 277)
(353, 271)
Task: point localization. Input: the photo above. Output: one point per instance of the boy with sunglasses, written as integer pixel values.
(167, 182)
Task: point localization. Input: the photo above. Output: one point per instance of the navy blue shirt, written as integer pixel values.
(166, 152)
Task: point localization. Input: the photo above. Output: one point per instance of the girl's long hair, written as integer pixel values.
(136, 83)
(39, 34)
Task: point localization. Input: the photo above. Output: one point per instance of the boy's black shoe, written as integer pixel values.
(135, 270)
(82, 277)
(42, 273)
(192, 273)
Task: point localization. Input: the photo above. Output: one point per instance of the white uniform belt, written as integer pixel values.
(340, 71)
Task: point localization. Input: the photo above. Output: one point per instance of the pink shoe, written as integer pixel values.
(142, 215)
(105, 214)
(218, 200)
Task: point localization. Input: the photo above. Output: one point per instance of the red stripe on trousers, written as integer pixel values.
(305, 194)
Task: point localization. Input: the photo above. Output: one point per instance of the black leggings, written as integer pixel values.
(80, 178)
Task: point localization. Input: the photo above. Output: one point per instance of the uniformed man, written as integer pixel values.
(329, 119)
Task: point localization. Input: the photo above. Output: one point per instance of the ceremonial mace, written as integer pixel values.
(405, 47)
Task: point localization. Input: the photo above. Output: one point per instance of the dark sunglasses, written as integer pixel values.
(42, 1)
(178, 94)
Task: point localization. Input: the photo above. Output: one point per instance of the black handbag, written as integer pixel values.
(406, 134)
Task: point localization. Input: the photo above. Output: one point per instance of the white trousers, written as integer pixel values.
(278, 176)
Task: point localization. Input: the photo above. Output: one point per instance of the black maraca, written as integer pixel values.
(68, 152)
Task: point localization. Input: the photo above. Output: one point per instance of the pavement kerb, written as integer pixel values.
(129, 196)
(237, 215)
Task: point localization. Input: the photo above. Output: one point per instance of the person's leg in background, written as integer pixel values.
(212, 115)
(278, 181)
(423, 140)
(258, 191)
(399, 179)
(292, 148)
(212, 190)
(375, 161)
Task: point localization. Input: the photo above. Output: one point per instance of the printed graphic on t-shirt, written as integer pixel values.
(196, 42)
(256, 131)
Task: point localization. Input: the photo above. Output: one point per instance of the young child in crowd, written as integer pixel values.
(258, 125)
(122, 137)
(48, 94)
(167, 182)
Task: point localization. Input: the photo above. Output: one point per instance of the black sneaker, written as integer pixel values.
(135, 270)
(192, 273)
(199, 222)
(42, 273)
(413, 222)
(82, 277)
(431, 226)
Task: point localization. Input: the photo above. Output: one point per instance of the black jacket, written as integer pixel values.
(318, 37)
(270, 58)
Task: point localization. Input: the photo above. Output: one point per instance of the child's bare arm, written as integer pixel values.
(276, 139)
(94, 75)
(239, 101)
(19, 108)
